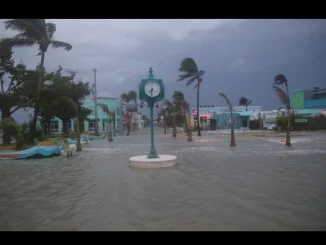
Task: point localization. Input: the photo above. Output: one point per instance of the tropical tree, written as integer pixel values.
(57, 85)
(163, 113)
(192, 74)
(232, 143)
(108, 113)
(33, 32)
(180, 102)
(127, 97)
(171, 111)
(285, 99)
(243, 101)
(15, 83)
(68, 101)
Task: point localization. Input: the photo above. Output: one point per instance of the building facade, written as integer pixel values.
(221, 116)
(309, 98)
(114, 104)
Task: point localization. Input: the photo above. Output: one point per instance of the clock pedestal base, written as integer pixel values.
(163, 161)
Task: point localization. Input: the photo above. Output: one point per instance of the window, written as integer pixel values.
(91, 125)
(54, 127)
(69, 125)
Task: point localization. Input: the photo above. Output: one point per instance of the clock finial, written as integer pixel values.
(151, 75)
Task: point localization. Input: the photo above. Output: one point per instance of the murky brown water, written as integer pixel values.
(261, 185)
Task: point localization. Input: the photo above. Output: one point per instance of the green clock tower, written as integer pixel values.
(151, 90)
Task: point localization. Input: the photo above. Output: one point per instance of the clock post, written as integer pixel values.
(151, 90)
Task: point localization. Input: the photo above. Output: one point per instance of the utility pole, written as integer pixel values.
(95, 101)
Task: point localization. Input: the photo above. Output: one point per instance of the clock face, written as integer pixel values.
(152, 89)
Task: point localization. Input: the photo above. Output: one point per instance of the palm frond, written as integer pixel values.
(188, 65)
(105, 108)
(226, 99)
(50, 29)
(280, 79)
(132, 95)
(60, 44)
(33, 28)
(281, 94)
(124, 97)
(185, 76)
(190, 81)
(18, 42)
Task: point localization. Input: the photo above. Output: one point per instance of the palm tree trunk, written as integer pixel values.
(78, 144)
(37, 95)
(198, 118)
(232, 143)
(288, 140)
(189, 133)
(114, 133)
(110, 139)
(174, 130)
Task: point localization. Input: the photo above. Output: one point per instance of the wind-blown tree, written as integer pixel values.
(33, 32)
(15, 81)
(171, 111)
(63, 86)
(127, 98)
(285, 99)
(232, 143)
(68, 101)
(163, 113)
(243, 101)
(180, 102)
(108, 113)
(192, 74)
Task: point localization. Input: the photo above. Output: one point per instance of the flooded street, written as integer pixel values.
(259, 185)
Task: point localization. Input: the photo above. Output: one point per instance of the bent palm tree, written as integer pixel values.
(232, 143)
(191, 72)
(34, 32)
(106, 110)
(171, 110)
(285, 99)
(243, 101)
(66, 100)
(179, 101)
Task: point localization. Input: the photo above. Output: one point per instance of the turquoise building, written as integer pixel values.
(113, 104)
(309, 98)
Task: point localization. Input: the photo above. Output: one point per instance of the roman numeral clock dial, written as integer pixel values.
(152, 89)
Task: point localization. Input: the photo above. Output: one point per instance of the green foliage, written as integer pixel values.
(57, 92)
(243, 101)
(15, 81)
(19, 132)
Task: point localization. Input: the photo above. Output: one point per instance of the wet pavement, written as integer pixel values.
(259, 185)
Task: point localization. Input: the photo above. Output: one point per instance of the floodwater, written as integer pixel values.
(259, 185)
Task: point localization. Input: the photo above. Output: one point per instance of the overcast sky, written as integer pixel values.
(240, 57)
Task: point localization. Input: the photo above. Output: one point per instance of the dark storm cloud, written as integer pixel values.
(240, 57)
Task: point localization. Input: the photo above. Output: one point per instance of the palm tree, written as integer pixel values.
(232, 143)
(279, 80)
(163, 113)
(133, 97)
(179, 101)
(171, 110)
(34, 32)
(243, 101)
(66, 100)
(191, 73)
(106, 110)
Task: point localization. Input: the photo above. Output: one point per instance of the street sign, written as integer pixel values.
(301, 120)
